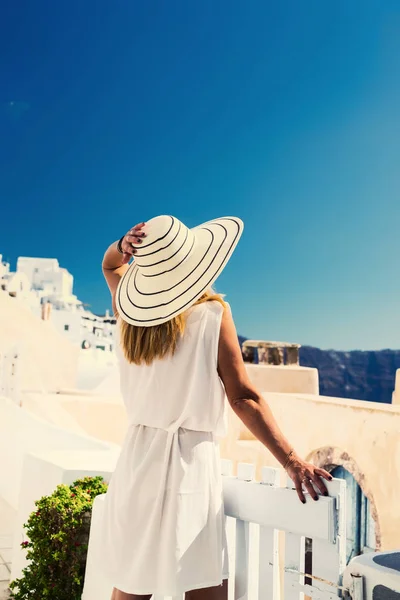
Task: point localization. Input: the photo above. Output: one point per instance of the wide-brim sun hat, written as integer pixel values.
(173, 267)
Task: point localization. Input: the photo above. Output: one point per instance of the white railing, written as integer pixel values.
(279, 549)
(275, 539)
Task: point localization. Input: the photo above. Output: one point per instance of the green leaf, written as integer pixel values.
(58, 532)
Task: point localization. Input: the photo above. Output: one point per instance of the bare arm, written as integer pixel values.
(255, 413)
(115, 264)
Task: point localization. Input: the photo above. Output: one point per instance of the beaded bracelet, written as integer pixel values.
(119, 245)
(288, 459)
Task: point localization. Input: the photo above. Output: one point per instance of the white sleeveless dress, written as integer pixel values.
(164, 524)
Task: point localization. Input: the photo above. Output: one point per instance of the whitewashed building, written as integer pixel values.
(50, 281)
(16, 284)
(47, 289)
(4, 267)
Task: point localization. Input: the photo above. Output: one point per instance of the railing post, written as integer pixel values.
(357, 591)
(245, 472)
(269, 575)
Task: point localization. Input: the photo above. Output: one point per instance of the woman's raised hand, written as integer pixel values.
(133, 237)
(309, 476)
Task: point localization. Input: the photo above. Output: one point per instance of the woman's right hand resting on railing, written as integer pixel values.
(255, 413)
(307, 475)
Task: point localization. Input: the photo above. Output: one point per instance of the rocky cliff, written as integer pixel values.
(363, 375)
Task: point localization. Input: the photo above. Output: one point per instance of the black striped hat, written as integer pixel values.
(173, 267)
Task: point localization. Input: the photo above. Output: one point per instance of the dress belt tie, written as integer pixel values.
(171, 429)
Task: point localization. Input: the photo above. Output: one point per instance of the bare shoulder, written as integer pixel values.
(229, 349)
(231, 367)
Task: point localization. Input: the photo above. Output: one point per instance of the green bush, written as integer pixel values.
(58, 533)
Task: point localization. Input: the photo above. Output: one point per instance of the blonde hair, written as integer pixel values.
(145, 344)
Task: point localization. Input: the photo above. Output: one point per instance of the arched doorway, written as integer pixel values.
(363, 531)
(360, 523)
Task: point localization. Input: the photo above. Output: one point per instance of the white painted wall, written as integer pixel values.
(48, 361)
(46, 274)
(94, 367)
(73, 320)
(38, 270)
(110, 384)
(17, 283)
(10, 374)
(81, 329)
(41, 474)
(285, 379)
(4, 266)
(21, 433)
(50, 408)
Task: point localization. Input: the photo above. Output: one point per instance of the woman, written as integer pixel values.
(164, 530)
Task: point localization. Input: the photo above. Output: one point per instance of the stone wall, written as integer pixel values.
(361, 436)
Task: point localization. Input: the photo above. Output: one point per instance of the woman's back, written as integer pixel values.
(184, 389)
(163, 523)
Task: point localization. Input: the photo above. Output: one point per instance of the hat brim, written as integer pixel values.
(141, 302)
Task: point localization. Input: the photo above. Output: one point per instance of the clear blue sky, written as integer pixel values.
(286, 114)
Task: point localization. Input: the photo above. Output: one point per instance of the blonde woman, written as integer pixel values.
(164, 529)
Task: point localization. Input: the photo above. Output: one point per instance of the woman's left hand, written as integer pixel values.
(307, 475)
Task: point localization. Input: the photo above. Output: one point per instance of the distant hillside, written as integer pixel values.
(363, 375)
(242, 339)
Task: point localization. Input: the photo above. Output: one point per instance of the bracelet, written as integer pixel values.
(119, 245)
(288, 459)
